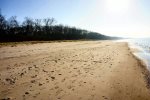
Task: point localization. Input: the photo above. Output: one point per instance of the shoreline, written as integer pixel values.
(144, 68)
(142, 63)
(146, 72)
(72, 70)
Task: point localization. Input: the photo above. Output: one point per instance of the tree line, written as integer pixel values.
(41, 30)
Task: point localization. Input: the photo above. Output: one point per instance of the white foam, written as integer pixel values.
(142, 53)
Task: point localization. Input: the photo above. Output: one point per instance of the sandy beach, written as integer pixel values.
(84, 70)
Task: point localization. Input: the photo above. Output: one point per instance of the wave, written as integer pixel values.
(142, 47)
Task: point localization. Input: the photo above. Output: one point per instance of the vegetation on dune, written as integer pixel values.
(42, 30)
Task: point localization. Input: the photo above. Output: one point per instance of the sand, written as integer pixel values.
(87, 70)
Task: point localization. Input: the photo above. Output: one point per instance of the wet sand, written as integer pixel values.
(87, 70)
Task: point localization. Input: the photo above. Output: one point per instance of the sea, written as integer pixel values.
(143, 49)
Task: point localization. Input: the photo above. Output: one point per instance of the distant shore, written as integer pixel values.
(82, 70)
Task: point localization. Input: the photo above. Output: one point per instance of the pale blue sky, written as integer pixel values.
(129, 18)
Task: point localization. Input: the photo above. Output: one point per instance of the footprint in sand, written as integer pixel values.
(53, 78)
(34, 76)
(84, 82)
(33, 81)
(29, 68)
(45, 71)
(26, 93)
(63, 80)
(10, 81)
(40, 84)
(69, 87)
(104, 97)
(7, 98)
(21, 74)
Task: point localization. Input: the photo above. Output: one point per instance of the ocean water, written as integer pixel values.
(143, 47)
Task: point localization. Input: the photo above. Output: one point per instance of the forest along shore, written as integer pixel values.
(86, 70)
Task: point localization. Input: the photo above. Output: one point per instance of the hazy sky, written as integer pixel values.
(130, 18)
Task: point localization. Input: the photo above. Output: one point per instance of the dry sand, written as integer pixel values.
(87, 70)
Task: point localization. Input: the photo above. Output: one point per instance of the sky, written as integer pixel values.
(125, 18)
